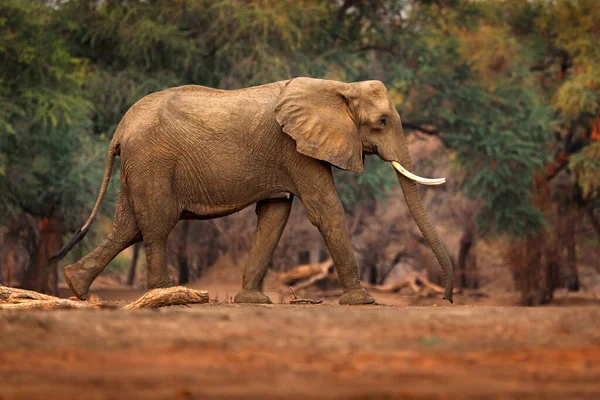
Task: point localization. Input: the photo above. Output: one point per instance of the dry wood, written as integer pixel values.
(12, 298)
(311, 281)
(421, 286)
(305, 301)
(175, 296)
(418, 284)
(57, 304)
(14, 295)
(296, 300)
(306, 275)
(306, 272)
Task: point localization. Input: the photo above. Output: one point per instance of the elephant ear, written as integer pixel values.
(316, 113)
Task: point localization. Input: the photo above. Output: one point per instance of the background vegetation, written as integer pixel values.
(510, 88)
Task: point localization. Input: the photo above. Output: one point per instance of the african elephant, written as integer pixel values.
(193, 152)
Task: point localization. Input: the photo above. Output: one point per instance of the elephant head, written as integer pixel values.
(340, 122)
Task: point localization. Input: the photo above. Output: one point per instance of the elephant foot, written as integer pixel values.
(160, 283)
(254, 297)
(79, 279)
(356, 297)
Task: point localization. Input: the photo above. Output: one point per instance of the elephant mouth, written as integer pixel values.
(417, 178)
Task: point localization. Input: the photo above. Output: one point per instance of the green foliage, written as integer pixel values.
(374, 183)
(501, 149)
(60, 169)
(46, 159)
(571, 26)
(586, 166)
(571, 29)
(501, 142)
(40, 79)
(119, 265)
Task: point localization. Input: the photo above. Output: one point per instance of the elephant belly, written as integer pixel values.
(204, 210)
(217, 192)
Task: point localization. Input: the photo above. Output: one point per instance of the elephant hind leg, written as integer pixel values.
(157, 275)
(156, 217)
(272, 215)
(124, 233)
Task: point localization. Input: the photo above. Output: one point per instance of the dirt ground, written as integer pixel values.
(283, 351)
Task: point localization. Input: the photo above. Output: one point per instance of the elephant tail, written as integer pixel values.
(113, 151)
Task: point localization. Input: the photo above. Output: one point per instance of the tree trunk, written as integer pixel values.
(571, 259)
(304, 257)
(468, 277)
(594, 221)
(373, 275)
(536, 264)
(463, 252)
(182, 254)
(133, 265)
(10, 265)
(43, 276)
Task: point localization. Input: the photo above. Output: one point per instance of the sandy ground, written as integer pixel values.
(228, 351)
(409, 348)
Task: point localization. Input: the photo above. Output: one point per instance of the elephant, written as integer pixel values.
(193, 152)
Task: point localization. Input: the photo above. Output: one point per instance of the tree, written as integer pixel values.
(46, 158)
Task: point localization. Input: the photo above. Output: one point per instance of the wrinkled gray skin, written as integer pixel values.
(196, 152)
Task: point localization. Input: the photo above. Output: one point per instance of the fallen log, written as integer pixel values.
(14, 295)
(306, 275)
(58, 304)
(418, 283)
(421, 286)
(175, 296)
(12, 298)
(306, 272)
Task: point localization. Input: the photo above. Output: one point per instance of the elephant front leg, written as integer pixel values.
(327, 213)
(272, 215)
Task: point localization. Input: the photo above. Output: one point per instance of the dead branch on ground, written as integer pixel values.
(305, 301)
(12, 298)
(296, 300)
(418, 284)
(175, 296)
(421, 286)
(305, 275)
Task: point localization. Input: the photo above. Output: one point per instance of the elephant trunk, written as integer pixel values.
(415, 205)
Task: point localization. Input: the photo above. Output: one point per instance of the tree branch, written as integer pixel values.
(427, 131)
(570, 146)
(345, 6)
(592, 217)
(416, 127)
(562, 165)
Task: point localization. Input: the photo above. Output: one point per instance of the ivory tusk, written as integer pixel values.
(416, 178)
